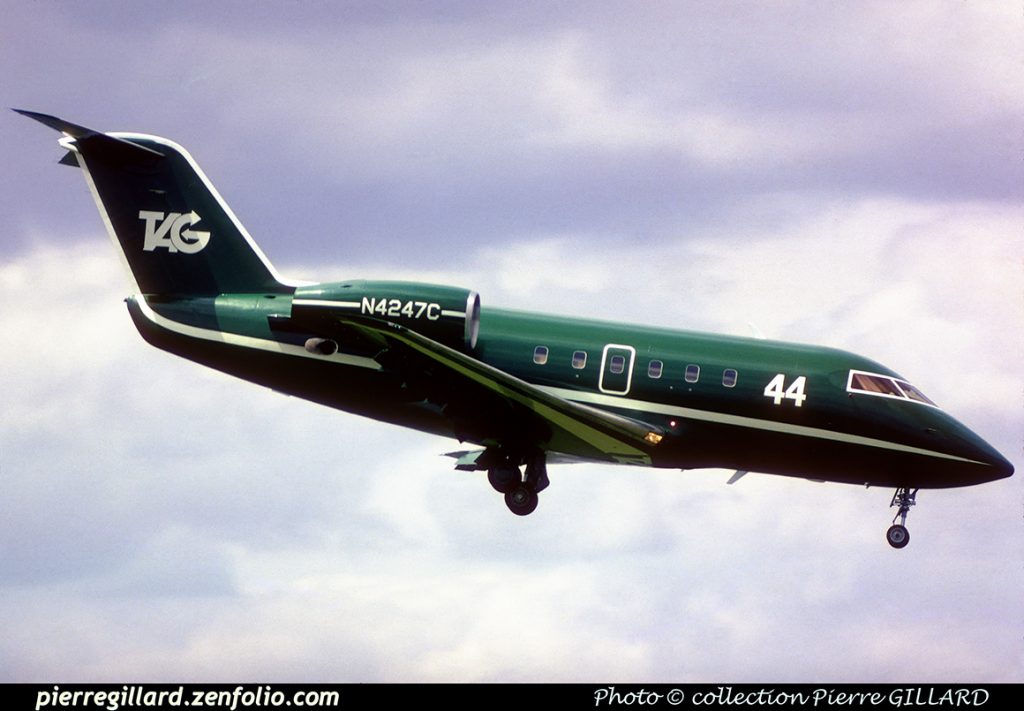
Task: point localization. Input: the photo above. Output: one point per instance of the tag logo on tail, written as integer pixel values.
(168, 230)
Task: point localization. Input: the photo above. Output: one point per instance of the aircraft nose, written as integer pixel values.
(979, 461)
(994, 465)
(1001, 467)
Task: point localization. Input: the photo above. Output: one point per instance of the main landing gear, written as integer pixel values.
(898, 535)
(520, 491)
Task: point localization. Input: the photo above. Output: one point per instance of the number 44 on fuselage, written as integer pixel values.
(527, 389)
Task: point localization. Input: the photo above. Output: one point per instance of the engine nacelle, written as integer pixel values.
(447, 314)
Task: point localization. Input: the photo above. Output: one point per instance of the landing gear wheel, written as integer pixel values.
(521, 500)
(898, 536)
(504, 478)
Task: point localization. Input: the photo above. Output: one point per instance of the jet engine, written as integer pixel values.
(447, 314)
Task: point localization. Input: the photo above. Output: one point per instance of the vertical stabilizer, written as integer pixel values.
(177, 234)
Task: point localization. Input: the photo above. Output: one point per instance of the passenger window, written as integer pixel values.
(579, 360)
(729, 377)
(654, 369)
(692, 373)
(617, 364)
(540, 355)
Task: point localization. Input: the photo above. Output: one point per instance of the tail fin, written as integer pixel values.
(177, 234)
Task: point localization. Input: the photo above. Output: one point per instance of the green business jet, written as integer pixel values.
(525, 389)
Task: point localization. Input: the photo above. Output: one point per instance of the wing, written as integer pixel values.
(504, 407)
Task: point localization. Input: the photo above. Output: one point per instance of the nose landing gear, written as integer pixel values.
(898, 535)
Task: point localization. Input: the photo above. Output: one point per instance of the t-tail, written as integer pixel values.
(177, 234)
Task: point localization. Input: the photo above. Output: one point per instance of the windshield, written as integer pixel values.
(884, 386)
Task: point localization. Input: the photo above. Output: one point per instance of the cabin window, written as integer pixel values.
(540, 355)
(729, 377)
(654, 369)
(692, 373)
(617, 364)
(579, 360)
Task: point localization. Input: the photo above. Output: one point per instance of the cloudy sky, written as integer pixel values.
(842, 174)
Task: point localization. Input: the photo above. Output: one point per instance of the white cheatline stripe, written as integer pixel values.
(327, 303)
(740, 421)
(234, 339)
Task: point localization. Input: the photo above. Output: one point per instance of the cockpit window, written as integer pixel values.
(877, 384)
(912, 392)
(874, 384)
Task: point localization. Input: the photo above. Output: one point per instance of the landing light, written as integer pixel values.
(653, 437)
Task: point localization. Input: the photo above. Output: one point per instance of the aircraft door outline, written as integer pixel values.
(617, 362)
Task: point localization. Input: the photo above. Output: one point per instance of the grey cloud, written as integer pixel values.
(376, 130)
(846, 177)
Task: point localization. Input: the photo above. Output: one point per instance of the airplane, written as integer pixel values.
(525, 389)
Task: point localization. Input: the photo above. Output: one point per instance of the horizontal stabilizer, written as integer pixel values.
(58, 124)
(114, 149)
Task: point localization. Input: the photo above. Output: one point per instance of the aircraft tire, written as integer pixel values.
(898, 536)
(521, 500)
(504, 478)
